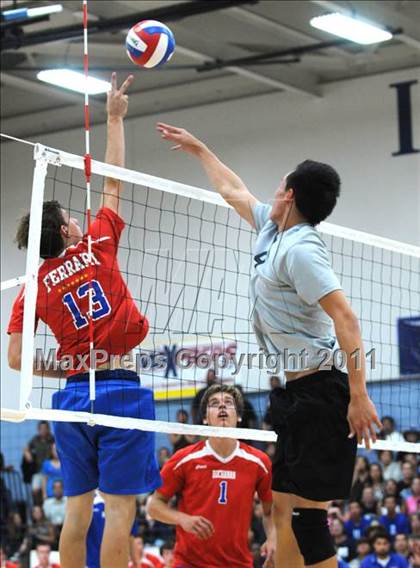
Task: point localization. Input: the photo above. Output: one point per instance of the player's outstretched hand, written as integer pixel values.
(117, 100)
(200, 526)
(267, 552)
(362, 419)
(183, 139)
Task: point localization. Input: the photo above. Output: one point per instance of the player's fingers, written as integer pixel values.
(352, 430)
(378, 422)
(366, 438)
(372, 433)
(169, 127)
(113, 81)
(177, 147)
(206, 525)
(126, 84)
(202, 532)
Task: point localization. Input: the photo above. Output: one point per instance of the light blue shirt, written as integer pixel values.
(292, 272)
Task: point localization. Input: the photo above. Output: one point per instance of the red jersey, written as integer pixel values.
(62, 301)
(148, 561)
(221, 490)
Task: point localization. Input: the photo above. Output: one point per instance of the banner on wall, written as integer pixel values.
(409, 345)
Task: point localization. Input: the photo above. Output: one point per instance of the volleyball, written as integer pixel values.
(150, 44)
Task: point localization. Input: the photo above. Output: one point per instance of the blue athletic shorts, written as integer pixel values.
(115, 460)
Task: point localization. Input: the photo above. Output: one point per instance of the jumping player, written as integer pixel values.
(215, 481)
(321, 413)
(121, 463)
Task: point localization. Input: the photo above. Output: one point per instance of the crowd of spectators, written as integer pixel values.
(378, 527)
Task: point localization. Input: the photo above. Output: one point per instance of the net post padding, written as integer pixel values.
(31, 273)
(170, 427)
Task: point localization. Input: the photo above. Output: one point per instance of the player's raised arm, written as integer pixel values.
(224, 180)
(117, 105)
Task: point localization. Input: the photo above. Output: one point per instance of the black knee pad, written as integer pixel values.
(310, 527)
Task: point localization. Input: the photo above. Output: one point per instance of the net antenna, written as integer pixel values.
(382, 276)
(88, 173)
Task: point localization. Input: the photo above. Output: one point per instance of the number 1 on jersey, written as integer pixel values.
(223, 493)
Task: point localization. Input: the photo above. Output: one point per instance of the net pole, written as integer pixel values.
(31, 286)
(88, 172)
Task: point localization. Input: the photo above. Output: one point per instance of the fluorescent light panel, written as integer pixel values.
(350, 28)
(25, 13)
(74, 81)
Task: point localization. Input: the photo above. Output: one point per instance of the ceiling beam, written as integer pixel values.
(171, 13)
(296, 82)
(381, 15)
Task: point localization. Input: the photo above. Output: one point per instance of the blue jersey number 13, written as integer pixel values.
(100, 304)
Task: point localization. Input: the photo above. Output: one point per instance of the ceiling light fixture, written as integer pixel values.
(25, 13)
(351, 28)
(74, 81)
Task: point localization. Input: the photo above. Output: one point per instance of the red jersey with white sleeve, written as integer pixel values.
(221, 490)
(63, 298)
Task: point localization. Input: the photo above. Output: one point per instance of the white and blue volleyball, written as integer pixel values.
(150, 44)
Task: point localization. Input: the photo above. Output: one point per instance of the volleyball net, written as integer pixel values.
(187, 258)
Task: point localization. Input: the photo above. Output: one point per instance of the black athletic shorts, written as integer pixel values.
(314, 457)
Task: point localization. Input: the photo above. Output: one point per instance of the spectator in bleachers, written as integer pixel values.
(3, 466)
(363, 549)
(43, 556)
(51, 470)
(408, 473)
(180, 441)
(415, 524)
(382, 557)
(343, 544)
(414, 546)
(4, 562)
(141, 558)
(395, 523)
(342, 564)
(55, 508)
(15, 533)
(377, 480)
(34, 455)
(211, 379)
(389, 432)
(270, 450)
(414, 460)
(390, 469)
(401, 545)
(40, 531)
(249, 416)
(275, 383)
(412, 502)
(412, 435)
(368, 501)
(167, 553)
(391, 488)
(163, 455)
(357, 522)
(360, 478)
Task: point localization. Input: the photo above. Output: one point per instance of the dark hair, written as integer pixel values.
(52, 243)
(167, 545)
(316, 187)
(389, 418)
(228, 389)
(381, 535)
